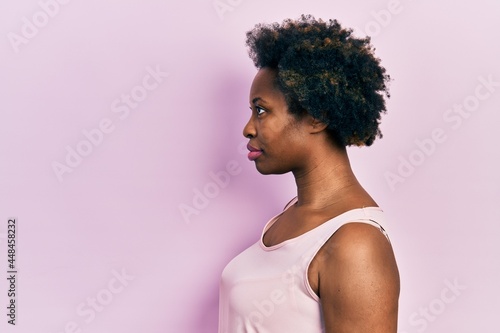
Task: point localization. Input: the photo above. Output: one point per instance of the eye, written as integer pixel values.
(259, 110)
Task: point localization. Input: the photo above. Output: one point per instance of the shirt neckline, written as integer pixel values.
(294, 239)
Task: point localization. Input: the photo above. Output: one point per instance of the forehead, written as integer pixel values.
(264, 85)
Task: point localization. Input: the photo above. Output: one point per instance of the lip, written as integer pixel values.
(252, 148)
(254, 152)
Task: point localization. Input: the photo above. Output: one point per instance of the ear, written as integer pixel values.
(316, 125)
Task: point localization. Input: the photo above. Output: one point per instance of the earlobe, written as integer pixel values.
(317, 125)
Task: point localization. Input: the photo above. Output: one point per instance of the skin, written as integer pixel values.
(355, 273)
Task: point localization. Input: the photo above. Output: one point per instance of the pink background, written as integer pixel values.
(119, 210)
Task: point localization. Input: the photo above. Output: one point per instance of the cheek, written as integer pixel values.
(283, 137)
(270, 131)
(293, 133)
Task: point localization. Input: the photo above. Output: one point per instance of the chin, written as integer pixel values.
(264, 169)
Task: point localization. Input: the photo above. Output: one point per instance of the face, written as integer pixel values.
(276, 137)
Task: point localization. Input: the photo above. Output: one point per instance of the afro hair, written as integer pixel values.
(323, 70)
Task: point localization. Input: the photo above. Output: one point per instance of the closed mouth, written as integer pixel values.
(252, 148)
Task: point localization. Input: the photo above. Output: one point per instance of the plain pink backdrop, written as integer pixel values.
(119, 210)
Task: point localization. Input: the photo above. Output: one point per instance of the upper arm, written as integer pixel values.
(359, 281)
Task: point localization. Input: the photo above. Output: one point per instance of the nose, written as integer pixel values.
(249, 129)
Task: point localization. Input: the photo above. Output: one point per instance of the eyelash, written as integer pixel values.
(258, 108)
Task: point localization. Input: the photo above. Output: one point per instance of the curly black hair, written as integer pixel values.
(323, 70)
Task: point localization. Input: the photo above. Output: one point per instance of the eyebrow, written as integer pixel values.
(256, 99)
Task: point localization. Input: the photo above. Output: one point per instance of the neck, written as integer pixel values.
(329, 180)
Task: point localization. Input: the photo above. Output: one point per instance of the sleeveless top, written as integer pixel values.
(265, 289)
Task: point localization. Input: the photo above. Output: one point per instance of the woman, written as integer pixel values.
(324, 264)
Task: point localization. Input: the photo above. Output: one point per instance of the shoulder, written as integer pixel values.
(358, 274)
(356, 240)
(360, 246)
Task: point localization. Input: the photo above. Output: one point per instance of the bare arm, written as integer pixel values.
(359, 281)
